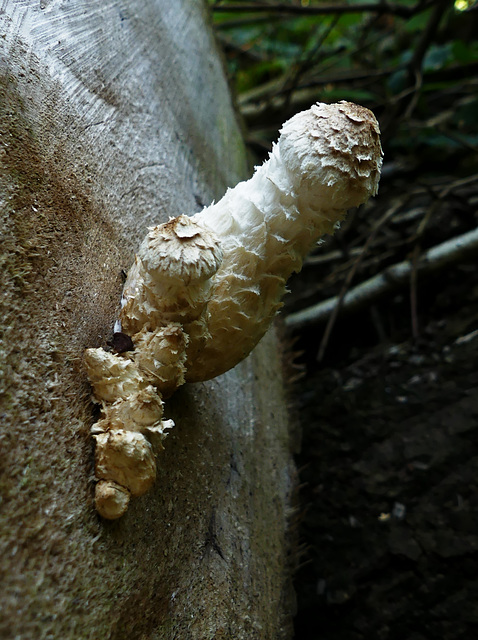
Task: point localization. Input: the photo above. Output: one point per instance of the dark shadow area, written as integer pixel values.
(388, 523)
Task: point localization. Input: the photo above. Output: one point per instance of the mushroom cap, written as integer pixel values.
(336, 148)
(181, 249)
(127, 458)
(111, 499)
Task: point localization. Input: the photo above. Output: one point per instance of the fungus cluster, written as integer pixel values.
(204, 289)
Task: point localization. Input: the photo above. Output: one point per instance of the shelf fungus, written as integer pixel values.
(204, 289)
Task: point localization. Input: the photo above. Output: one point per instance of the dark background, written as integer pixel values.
(386, 391)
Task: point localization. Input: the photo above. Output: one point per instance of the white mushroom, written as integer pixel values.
(204, 289)
(326, 161)
(170, 280)
(127, 458)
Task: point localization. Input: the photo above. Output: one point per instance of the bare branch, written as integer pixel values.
(348, 280)
(370, 7)
(458, 248)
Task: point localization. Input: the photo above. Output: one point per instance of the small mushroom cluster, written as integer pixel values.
(162, 309)
(204, 289)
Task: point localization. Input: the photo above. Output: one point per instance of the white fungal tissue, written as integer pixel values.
(204, 289)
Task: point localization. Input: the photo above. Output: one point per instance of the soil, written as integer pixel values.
(389, 466)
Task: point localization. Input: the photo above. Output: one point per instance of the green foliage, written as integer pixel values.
(409, 61)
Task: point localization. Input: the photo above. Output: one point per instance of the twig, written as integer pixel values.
(457, 139)
(413, 291)
(453, 250)
(403, 104)
(324, 258)
(374, 7)
(428, 35)
(291, 83)
(243, 22)
(350, 276)
(416, 63)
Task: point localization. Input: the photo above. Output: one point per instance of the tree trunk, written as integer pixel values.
(114, 116)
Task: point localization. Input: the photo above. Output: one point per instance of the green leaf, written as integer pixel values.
(438, 56)
(465, 52)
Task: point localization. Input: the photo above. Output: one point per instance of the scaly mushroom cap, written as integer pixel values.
(161, 355)
(138, 412)
(336, 148)
(180, 250)
(170, 279)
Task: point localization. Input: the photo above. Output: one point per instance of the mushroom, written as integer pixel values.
(204, 289)
(327, 160)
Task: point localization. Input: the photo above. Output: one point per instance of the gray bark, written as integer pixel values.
(114, 116)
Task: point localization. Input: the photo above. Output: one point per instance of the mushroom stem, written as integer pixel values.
(204, 289)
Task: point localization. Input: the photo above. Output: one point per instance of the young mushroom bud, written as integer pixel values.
(170, 281)
(112, 376)
(204, 289)
(161, 356)
(124, 466)
(125, 457)
(111, 499)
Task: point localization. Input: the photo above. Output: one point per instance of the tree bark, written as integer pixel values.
(115, 116)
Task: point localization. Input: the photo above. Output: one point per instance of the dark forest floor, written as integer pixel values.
(389, 468)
